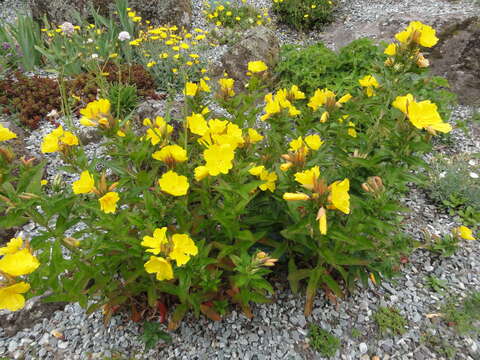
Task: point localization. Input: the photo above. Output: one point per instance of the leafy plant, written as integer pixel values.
(439, 345)
(152, 334)
(322, 341)
(463, 315)
(124, 99)
(438, 285)
(230, 15)
(304, 14)
(389, 321)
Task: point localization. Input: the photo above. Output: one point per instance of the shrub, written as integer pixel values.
(193, 212)
(390, 321)
(226, 14)
(304, 14)
(322, 341)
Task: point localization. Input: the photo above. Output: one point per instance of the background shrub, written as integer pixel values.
(304, 14)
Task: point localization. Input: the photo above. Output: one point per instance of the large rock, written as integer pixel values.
(160, 12)
(457, 57)
(259, 43)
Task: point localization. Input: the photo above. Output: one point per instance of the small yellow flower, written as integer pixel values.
(254, 136)
(418, 33)
(369, 83)
(6, 134)
(174, 184)
(85, 185)
(11, 298)
(171, 154)
(201, 172)
(391, 49)
(219, 158)
(159, 266)
(296, 197)
(308, 178)
(108, 202)
(464, 232)
(191, 89)
(12, 247)
(95, 113)
(156, 242)
(313, 142)
(257, 66)
(339, 195)
(19, 263)
(226, 87)
(183, 249)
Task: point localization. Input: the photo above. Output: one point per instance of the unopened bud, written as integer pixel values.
(72, 242)
(7, 154)
(422, 62)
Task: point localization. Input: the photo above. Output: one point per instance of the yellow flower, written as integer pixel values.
(257, 170)
(160, 266)
(96, 112)
(69, 139)
(85, 185)
(270, 178)
(339, 195)
(11, 298)
(257, 66)
(201, 172)
(120, 133)
(391, 49)
(174, 184)
(219, 158)
(191, 89)
(424, 115)
(51, 142)
(160, 130)
(156, 242)
(295, 197)
(284, 167)
(19, 263)
(308, 178)
(344, 99)
(369, 82)
(296, 144)
(197, 124)
(402, 103)
(464, 232)
(226, 86)
(108, 202)
(204, 86)
(322, 220)
(320, 98)
(254, 136)
(183, 248)
(12, 247)
(295, 93)
(351, 129)
(313, 142)
(171, 154)
(418, 33)
(6, 134)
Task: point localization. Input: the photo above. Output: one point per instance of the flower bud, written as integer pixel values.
(71, 242)
(295, 197)
(7, 154)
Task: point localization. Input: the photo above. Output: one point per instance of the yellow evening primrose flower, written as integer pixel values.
(254, 136)
(191, 89)
(69, 139)
(6, 134)
(84, 185)
(19, 263)
(320, 98)
(257, 170)
(171, 154)
(95, 113)
(200, 173)
(339, 195)
(295, 197)
(219, 158)
(308, 178)
(257, 66)
(156, 242)
(197, 124)
(313, 142)
(157, 132)
(345, 98)
(204, 86)
(270, 178)
(108, 202)
(418, 33)
(424, 115)
(402, 103)
(322, 220)
(464, 232)
(391, 49)
(296, 144)
(12, 247)
(295, 93)
(183, 249)
(226, 86)
(369, 83)
(174, 184)
(11, 297)
(159, 266)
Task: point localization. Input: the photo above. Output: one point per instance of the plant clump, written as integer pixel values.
(230, 15)
(304, 14)
(390, 321)
(322, 341)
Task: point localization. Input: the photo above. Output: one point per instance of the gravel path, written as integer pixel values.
(279, 330)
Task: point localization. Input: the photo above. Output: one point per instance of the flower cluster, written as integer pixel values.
(335, 196)
(108, 198)
(179, 248)
(281, 100)
(58, 140)
(226, 14)
(16, 260)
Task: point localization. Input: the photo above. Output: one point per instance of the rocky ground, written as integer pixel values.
(279, 330)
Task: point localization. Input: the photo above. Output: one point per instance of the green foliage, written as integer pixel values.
(455, 184)
(304, 14)
(438, 285)
(389, 321)
(124, 99)
(439, 345)
(19, 42)
(445, 245)
(152, 334)
(464, 315)
(322, 341)
(355, 333)
(316, 66)
(231, 15)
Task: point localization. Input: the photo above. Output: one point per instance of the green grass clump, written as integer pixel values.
(304, 14)
(390, 321)
(322, 341)
(464, 316)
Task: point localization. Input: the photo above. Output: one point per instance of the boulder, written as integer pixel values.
(258, 43)
(160, 12)
(457, 57)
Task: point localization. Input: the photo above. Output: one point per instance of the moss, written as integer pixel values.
(390, 321)
(322, 341)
